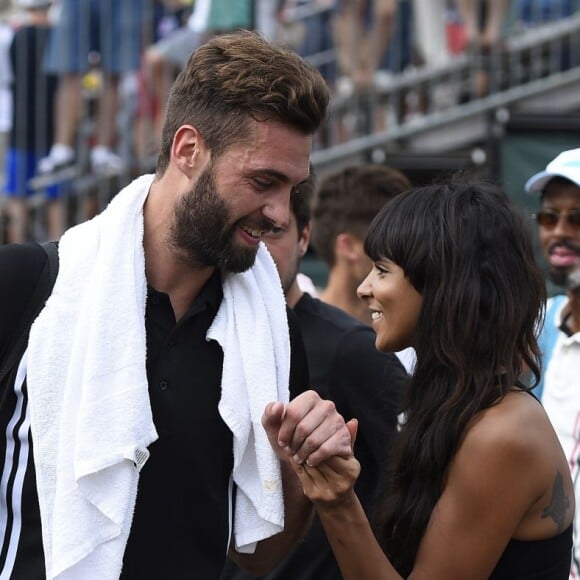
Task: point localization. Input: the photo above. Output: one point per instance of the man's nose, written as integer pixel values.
(277, 208)
(564, 228)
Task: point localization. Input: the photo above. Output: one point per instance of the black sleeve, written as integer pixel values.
(299, 374)
(20, 268)
(368, 385)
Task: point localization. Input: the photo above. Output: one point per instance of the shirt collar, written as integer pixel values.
(209, 298)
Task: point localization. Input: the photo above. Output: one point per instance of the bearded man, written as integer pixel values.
(163, 391)
(559, 231)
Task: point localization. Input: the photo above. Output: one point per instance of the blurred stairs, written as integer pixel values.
(433, 111)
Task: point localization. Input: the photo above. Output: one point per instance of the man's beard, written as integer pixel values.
(202, 233)
(290, 277)
(559, 276)
(568, 278)
(565, 276)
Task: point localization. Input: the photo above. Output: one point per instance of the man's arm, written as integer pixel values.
(293, 424)
(368, 384)
(298, 513)
(306, 430)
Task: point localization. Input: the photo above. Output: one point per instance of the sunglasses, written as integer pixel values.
(548, 218)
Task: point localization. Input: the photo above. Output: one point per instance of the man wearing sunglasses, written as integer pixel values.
(559, 231)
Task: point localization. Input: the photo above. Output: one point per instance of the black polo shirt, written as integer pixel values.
(181, 524)
(346, 368)
(180, 528)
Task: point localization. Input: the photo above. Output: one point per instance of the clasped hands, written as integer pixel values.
(309, 434)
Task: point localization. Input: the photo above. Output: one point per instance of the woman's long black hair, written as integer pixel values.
(467, 250)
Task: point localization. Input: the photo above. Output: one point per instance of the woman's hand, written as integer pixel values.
(307, 429)
(331, 482)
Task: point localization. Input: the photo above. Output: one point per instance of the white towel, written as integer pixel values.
(90, 414)
(252, 328)
(91, 419)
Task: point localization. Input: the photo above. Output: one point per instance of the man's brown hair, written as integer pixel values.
(235, 78)
(347, 201)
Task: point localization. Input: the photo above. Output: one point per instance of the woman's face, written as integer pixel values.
(394, 305)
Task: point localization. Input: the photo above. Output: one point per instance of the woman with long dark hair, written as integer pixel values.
(478, 486)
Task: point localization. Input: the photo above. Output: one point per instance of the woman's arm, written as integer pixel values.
(502, 482)
(307, 428)
(509, 480)
(330, 488)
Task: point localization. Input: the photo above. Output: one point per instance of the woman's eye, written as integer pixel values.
(381, 270)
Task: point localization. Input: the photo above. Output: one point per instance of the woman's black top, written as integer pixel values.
(547, 559)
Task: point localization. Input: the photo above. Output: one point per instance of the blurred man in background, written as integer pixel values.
(559, 231)
(346, 368)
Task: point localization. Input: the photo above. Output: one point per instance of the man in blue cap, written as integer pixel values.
(559, 232)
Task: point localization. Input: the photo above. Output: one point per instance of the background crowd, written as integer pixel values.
(84, 84)
(83, 90)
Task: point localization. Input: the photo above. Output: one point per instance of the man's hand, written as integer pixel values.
(332, 482)
(308, 430)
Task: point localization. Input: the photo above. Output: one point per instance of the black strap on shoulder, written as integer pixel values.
(41, 293)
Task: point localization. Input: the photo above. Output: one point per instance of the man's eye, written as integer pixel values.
(263, 184)
(274, 233)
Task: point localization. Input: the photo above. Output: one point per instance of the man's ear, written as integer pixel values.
(347, 247)
(189, 151)
(304, 239)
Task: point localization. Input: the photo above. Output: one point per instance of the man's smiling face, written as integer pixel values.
(239, 197)
(560, 240)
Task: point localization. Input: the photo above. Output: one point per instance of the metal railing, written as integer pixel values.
(531, 62)
(424, 105)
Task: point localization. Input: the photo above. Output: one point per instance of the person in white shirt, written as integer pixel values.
(559, 231)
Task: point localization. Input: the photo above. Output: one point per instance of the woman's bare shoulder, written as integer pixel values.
(512, 446)
(518, 421)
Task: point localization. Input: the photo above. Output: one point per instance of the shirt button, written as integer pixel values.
(163, 385)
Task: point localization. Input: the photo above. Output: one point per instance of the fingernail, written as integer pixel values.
(297, 459)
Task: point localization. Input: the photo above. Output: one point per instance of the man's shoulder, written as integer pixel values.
(326, 315)
(557, 301)
(331, 332)
(20, 268)
(554, 307)
(20, 263)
